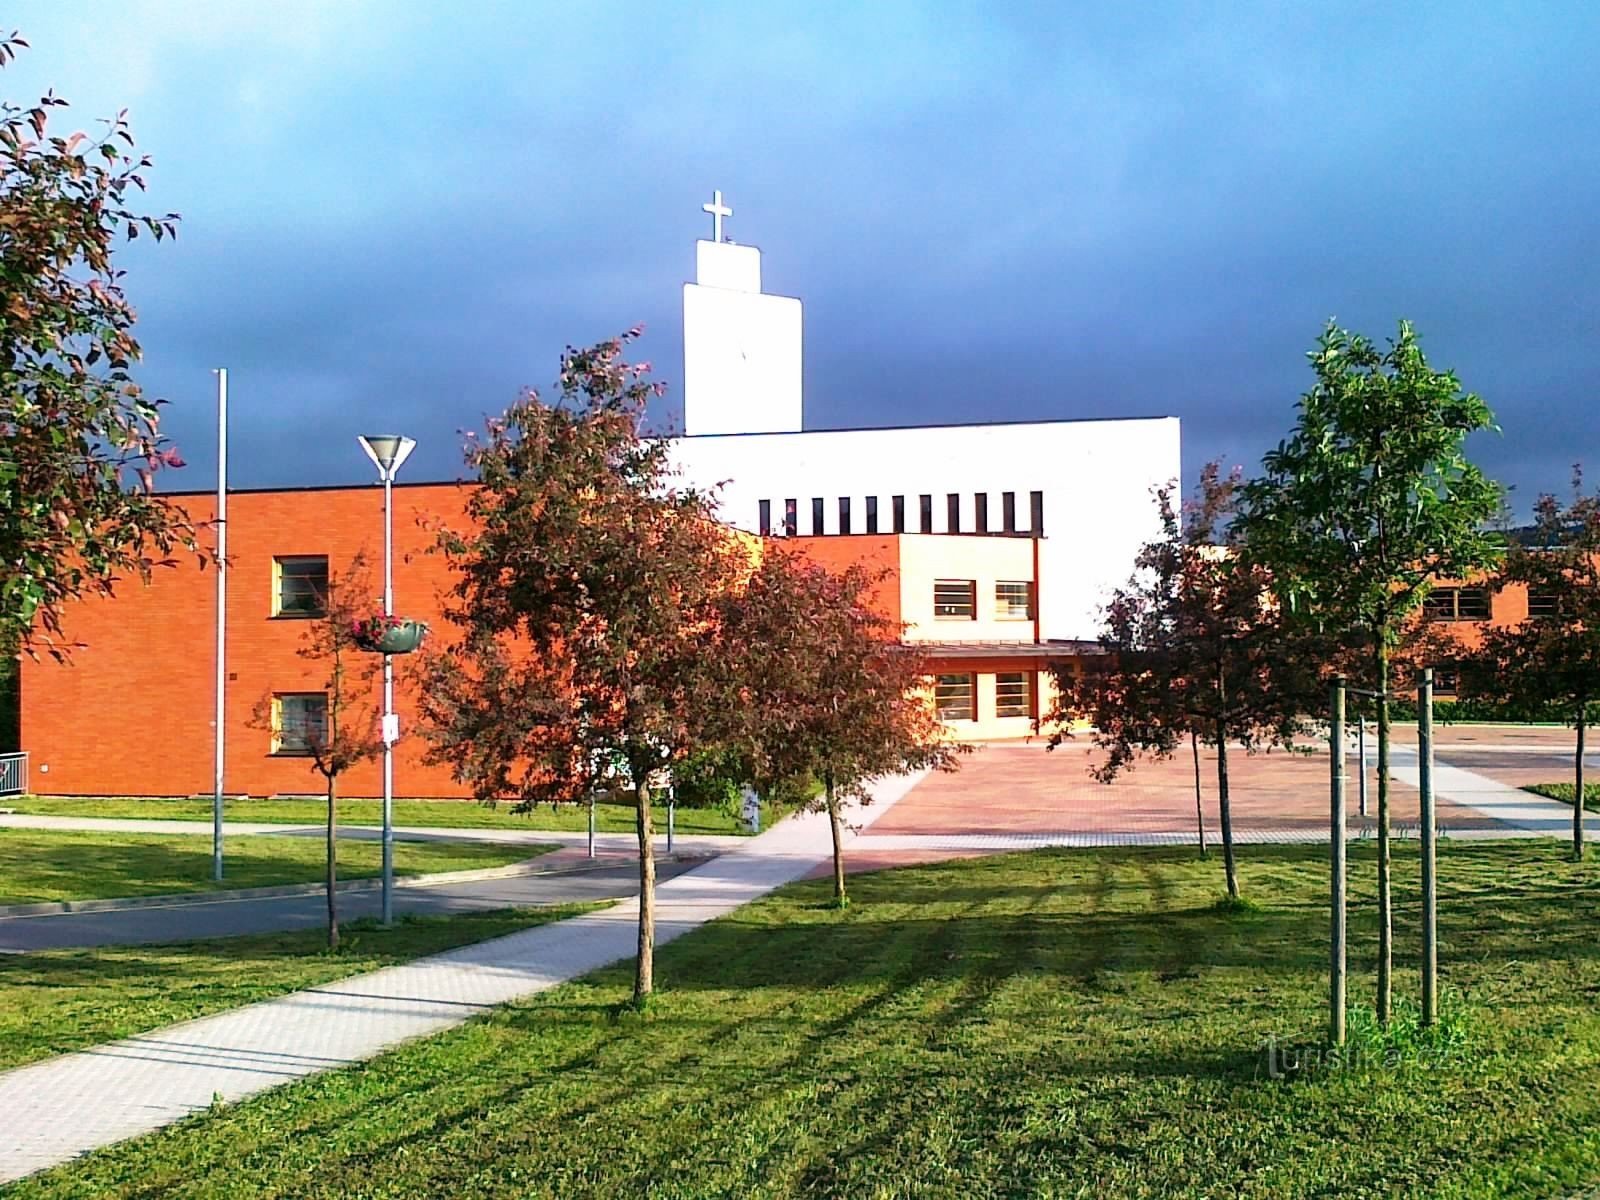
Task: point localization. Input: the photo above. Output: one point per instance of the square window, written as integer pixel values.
(299, 721)
(955, 599)
(1543, 604)
(1013, 600)
(1456, 604)
(953, 696)
(300, 586)
(1013, 694)
(1472, 604)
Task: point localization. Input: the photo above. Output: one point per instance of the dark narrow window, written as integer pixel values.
(899, 505)
(766, 517)
(926, 504)
(844, 514)
(872, 514)
(1008, 511)
(791, 522)
(816, 516)
(1036, 513)
(952, 512)
(980, 512)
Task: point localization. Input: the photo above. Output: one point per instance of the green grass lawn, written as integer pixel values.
(460, 814)
(69, 864)
(1058, 1023)
(60, 1000)
(1563, 793)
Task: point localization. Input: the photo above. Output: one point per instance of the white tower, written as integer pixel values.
(741, 347)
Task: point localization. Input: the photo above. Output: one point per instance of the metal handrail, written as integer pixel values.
(14, 774)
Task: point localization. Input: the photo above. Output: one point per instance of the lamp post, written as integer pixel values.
(387, 452)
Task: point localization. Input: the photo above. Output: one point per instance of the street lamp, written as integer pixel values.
(387, 452)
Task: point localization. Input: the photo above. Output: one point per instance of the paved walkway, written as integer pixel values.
(1522, 813)
(608, 843)
(227, 916)
(63, 1107)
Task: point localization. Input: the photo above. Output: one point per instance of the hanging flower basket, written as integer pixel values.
(388, 635)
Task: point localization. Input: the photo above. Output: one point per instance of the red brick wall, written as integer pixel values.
(131, 714)
(875, 552)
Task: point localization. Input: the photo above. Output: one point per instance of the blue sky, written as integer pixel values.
(396, 214)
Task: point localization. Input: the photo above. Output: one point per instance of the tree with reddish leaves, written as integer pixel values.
(79, 443)
(1195, 648)
(347, 731)
(588, 587)
(1552, 659)
(826, 692)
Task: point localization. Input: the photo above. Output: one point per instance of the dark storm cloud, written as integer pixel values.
(398, 215)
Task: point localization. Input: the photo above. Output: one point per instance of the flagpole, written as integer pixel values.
(222, 619)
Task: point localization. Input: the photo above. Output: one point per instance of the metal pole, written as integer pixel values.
(672, 802)
(591, 824)
(388, 708)
(219, 741)
(1336, 865)
(1361, 749)
(1430, 891)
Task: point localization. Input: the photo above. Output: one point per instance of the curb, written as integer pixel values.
(528, 866)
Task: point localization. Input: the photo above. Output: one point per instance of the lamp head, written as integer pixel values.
(387, 450)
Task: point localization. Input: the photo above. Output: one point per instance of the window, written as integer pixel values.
(955, 696)
(791, 521)
(1036, 512)
(1446, 680)
(925, 503)
(299, 720)
(899, 505)
(300, 586)
(980, 512)
(766, 517)
(955, 599)
(1013, 600)
(1008, 511)
(816, 516)
(872, 514)
(844, 514)
(1543, 604)
(1457, 604)
(1013, 694)
(952, 512)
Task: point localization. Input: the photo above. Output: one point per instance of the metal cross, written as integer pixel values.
(718, 210)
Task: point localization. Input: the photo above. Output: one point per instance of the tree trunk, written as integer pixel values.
(644, 972)
(1385, 896)
(840, 898)
(1199, 810)
(333, 869)
(1224, 813)
(1577, 787)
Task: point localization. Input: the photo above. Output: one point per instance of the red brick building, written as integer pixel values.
(132, 713)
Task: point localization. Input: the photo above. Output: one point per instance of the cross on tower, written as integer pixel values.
(718, 210)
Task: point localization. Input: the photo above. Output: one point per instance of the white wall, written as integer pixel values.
(1097, 478)
(741, 348)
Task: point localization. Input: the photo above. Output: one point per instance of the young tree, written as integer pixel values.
(347, 731)
(79, 443)
(1195, 648)
(587, 588)
(826, 691)
(1552, 659)
(1369, 499)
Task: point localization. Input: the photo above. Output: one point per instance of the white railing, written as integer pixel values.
(13, 774)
